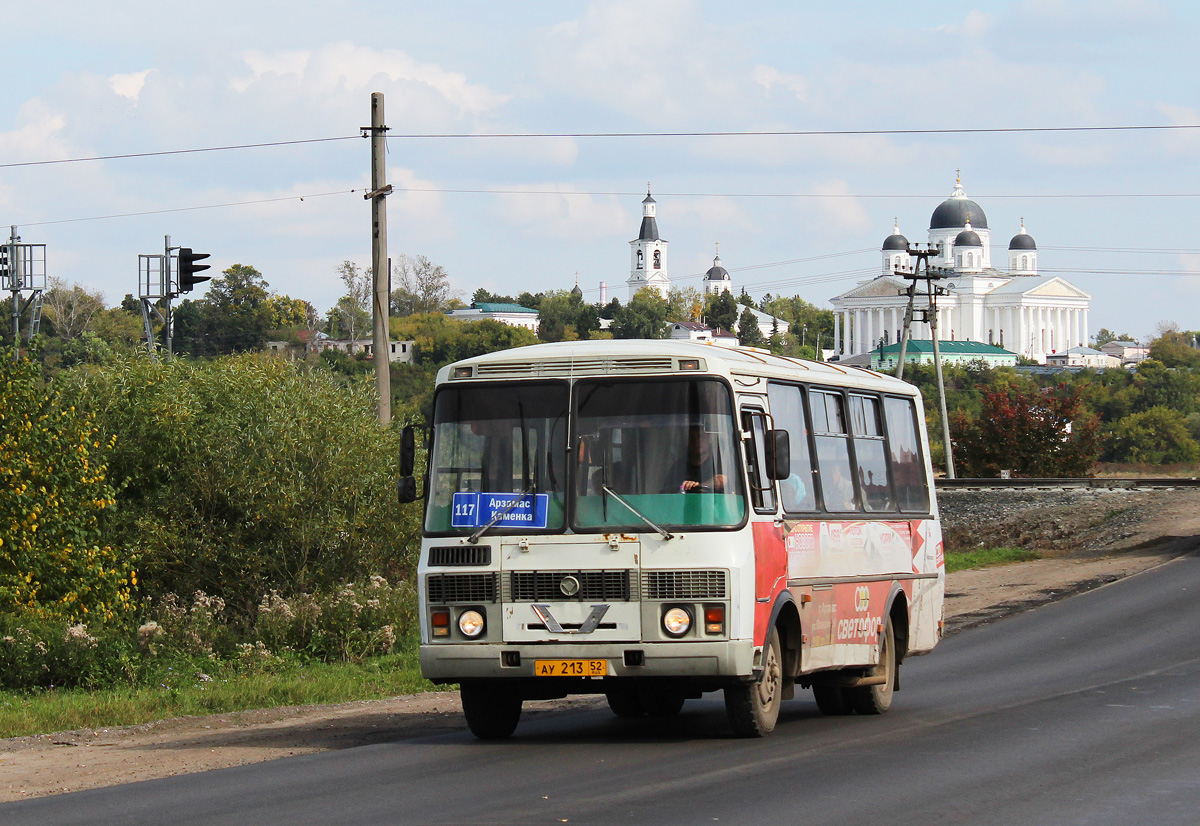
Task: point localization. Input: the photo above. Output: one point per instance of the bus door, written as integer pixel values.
(770, 550)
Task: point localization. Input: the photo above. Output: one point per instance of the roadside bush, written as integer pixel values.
(1039, 433)
(54, 493)
(1156, 436)
(248, 474)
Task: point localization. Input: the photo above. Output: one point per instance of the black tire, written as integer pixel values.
(492, 711)
(663, 705)
(832, 700)
(753, 708)
(625, 703)
(876, 699)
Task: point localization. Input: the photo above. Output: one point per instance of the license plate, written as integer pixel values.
(570, 668)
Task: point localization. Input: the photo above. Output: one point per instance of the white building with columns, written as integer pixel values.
(1017, 309)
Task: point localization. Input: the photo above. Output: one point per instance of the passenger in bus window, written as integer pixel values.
(699, 472)
(795, 493)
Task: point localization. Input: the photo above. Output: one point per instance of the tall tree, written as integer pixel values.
(644, 317)
(749, 334)
(70, 309)
(721, 310)
(421, 286)
(233, 317)
(350, 318)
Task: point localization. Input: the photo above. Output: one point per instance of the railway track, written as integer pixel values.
(1127, 483)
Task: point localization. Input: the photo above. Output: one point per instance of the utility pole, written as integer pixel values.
(380, 301)
(22, 268)
(929, 314)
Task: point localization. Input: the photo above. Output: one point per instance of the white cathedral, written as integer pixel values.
(1017, 309)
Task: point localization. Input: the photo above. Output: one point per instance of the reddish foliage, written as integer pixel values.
(1033, 434)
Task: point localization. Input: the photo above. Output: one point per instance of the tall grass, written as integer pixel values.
(45, 711)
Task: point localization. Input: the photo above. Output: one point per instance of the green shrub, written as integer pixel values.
(248, 474)
(54, 490)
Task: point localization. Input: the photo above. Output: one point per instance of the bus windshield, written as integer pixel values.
(662, 450)
(499, 459)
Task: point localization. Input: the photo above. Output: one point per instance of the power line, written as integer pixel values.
(542, 135)
(798, 132)
(178, 151)
(186, 209)
(811, 195)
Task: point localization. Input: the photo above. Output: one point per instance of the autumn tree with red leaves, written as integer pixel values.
(1033, 434)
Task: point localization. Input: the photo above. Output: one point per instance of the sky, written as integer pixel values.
(1112, 211)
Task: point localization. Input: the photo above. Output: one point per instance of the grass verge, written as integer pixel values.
(986, 557)
(45, 711)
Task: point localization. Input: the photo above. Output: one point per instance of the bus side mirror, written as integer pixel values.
(408, 450)
(779, 454)
(406, 485)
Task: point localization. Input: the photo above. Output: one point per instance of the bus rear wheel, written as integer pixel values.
(753, 708)
(492, 711)
(876, 699)
(832, 700)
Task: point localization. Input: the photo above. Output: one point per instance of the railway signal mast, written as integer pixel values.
(23, 269)
(159, 282)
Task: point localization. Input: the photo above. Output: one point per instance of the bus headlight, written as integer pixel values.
(470, 623)
(677, 621)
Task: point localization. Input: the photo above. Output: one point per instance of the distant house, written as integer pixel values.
(512, 314)
(398, 351)
(1083, 357)
(695, 331)
(953, 352)
(1128, 352)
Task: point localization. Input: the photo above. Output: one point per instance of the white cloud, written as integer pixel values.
(343, 67)
(976, 24)
(839, 206)
(767, 76)
(130, 85)
(566, 215)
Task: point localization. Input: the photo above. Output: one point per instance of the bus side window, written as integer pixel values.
(833, 452)
(869, 451)
(762, 489)
(798, 491)
(908, 466)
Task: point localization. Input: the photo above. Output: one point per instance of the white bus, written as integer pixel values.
(651, 520)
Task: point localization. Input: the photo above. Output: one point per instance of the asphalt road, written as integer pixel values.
(1085, 711)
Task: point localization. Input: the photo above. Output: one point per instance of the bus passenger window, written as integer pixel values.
(869, 450)
(908, 467)
(798, 491)
(833, 452)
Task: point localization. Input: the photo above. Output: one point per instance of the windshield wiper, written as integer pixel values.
(662, 531)
(474, 538)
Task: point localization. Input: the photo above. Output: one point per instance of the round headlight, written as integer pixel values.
(677, 621)
(470, 623)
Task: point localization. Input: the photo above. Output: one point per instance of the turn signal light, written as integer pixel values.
(714, 619)
(440, 621)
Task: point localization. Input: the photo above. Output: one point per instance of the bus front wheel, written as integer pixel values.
(753, 708)
(492, 711)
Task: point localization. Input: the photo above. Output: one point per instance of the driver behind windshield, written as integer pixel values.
(698, 472)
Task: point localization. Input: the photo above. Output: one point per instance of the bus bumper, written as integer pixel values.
(724, 658)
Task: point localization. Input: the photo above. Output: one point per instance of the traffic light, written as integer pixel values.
(188, 269)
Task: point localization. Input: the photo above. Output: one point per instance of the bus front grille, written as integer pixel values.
(445, 588)
(556, 586)
(684, 584)
(461, 555)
